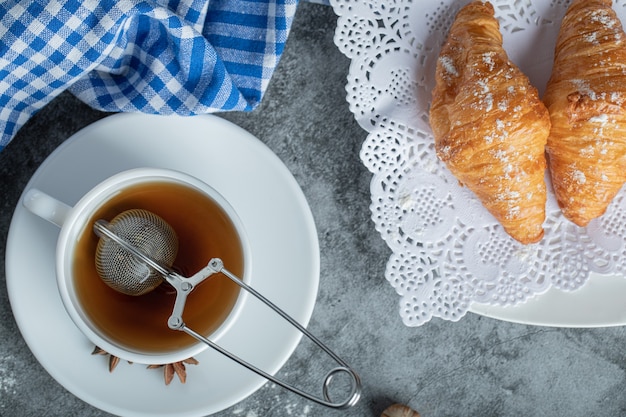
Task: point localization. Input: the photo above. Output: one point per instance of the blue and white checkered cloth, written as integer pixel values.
(153, 56)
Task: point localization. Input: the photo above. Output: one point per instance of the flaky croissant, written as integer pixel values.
(489, 125)
(586, 98)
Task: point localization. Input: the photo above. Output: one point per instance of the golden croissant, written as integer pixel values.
(586, 98)
(489, 125)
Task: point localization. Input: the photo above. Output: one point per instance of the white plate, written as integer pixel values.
(389, 91)
(599, 303)
(283, 241)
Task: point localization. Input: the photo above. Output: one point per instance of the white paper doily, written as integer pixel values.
(448, 251)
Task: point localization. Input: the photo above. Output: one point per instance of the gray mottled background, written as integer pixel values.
(476, 367)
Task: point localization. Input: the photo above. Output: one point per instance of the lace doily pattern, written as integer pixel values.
(448, 251)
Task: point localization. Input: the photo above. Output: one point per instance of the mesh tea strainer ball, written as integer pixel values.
(148, 233)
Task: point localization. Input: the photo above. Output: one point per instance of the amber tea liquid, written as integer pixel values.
(139, 323)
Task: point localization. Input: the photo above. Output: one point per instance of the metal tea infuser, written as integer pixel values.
(136, 252)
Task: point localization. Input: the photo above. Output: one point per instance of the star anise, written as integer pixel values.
(177, 368)
(113, 360)
(170, 369)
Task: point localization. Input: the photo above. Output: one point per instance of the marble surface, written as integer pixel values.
(475, 367)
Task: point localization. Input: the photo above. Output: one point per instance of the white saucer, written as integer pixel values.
(283, 241)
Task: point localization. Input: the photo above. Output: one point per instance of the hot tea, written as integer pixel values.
(204, 230)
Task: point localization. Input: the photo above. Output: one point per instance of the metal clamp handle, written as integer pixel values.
(184, 286)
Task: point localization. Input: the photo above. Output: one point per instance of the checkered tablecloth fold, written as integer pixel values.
(156, 56)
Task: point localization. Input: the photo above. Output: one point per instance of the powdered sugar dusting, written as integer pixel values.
(604, 150)
(579, 176)
(604, 17)
(601, 119)
(591, 38)
(588, 151)
(489, 102)
(500, 155)
(488, 60)
(514, 211)
(583, 87)
(512, 200)
(500, 133)
(486, 101)
(448, 65)
(508, 192)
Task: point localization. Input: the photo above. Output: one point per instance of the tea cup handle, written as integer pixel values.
(46, 207)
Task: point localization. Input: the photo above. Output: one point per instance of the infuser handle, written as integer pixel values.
(216, 265)
(355, 381)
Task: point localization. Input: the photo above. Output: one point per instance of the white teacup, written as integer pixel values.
(77, 220)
